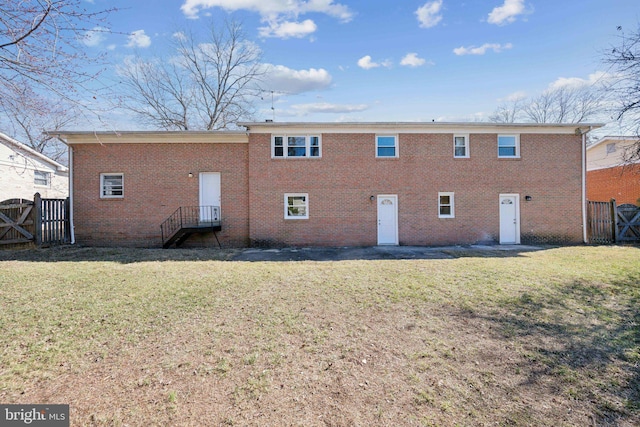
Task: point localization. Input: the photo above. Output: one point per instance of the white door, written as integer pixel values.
(209, 196)
(388, 220)
(509, 218)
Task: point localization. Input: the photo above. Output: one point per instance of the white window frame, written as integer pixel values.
(451, 204)
(396, 146)
(466, 145)
(103, 189)
(286, 206)
(46, 176)
(285, 146)
(517, 146)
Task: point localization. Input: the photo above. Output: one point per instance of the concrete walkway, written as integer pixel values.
(378, 252)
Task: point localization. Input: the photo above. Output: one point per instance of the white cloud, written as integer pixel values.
(111, 47)
(507, 13)
(325, 107)
(280, 16)
(286, 29)
(270, 9)
(471, 118)
(514, 97)
(575, 82)
(412, 60)
(481, 50)
(179, 35)
(366, 63)
(429, 14)
(139, 39)
(95, 36)
(279, 78)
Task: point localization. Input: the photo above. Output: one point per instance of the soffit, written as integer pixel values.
(137, 137)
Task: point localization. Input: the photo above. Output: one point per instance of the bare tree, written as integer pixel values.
(206, 85)
(41, 45)
(564, 104)
(508, 112)
(624, 61)
(30, 116)
(540, 108)
(42, 57)
(158, 92)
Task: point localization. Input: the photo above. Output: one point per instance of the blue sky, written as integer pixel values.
(403, 60)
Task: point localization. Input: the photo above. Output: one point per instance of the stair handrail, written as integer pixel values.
(186, 215)
(171, 224)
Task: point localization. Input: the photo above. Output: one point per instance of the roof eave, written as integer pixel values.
(113, 137)
(59, 167)
(577, 128)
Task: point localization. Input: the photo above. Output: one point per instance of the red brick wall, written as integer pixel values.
(339, 186)
(621, 183)
(341, 182)
(156, 183)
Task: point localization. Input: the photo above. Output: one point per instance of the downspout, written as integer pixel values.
(72, 231)
(72, 227)
(584, 186)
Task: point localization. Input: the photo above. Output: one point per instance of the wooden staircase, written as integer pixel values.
(189, 220)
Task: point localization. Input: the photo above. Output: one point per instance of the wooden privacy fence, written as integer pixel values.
(16, 222)
(609, 223)
(44, 222)
(628, 223)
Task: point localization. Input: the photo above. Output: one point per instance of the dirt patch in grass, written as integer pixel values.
(548, 338)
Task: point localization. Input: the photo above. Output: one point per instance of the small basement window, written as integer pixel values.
(296, 206)
(445, 205)
(111, 185)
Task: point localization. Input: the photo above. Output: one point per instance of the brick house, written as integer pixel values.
(335, 184)
(24, 172)
(609, 173)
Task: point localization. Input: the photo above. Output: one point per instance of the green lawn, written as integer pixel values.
(183, 337)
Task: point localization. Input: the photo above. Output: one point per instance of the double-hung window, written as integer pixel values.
(111, 185)
(386, 146)
(461, 146)
(446, 205)
(41, 178)
(295, 146)
(508, 146)
(296, 206)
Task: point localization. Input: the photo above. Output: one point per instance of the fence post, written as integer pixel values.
(37, 219)
(614, 219)
(67, 220)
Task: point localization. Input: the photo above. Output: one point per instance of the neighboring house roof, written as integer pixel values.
(612, 138)
(7, 140)
(610, 151)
